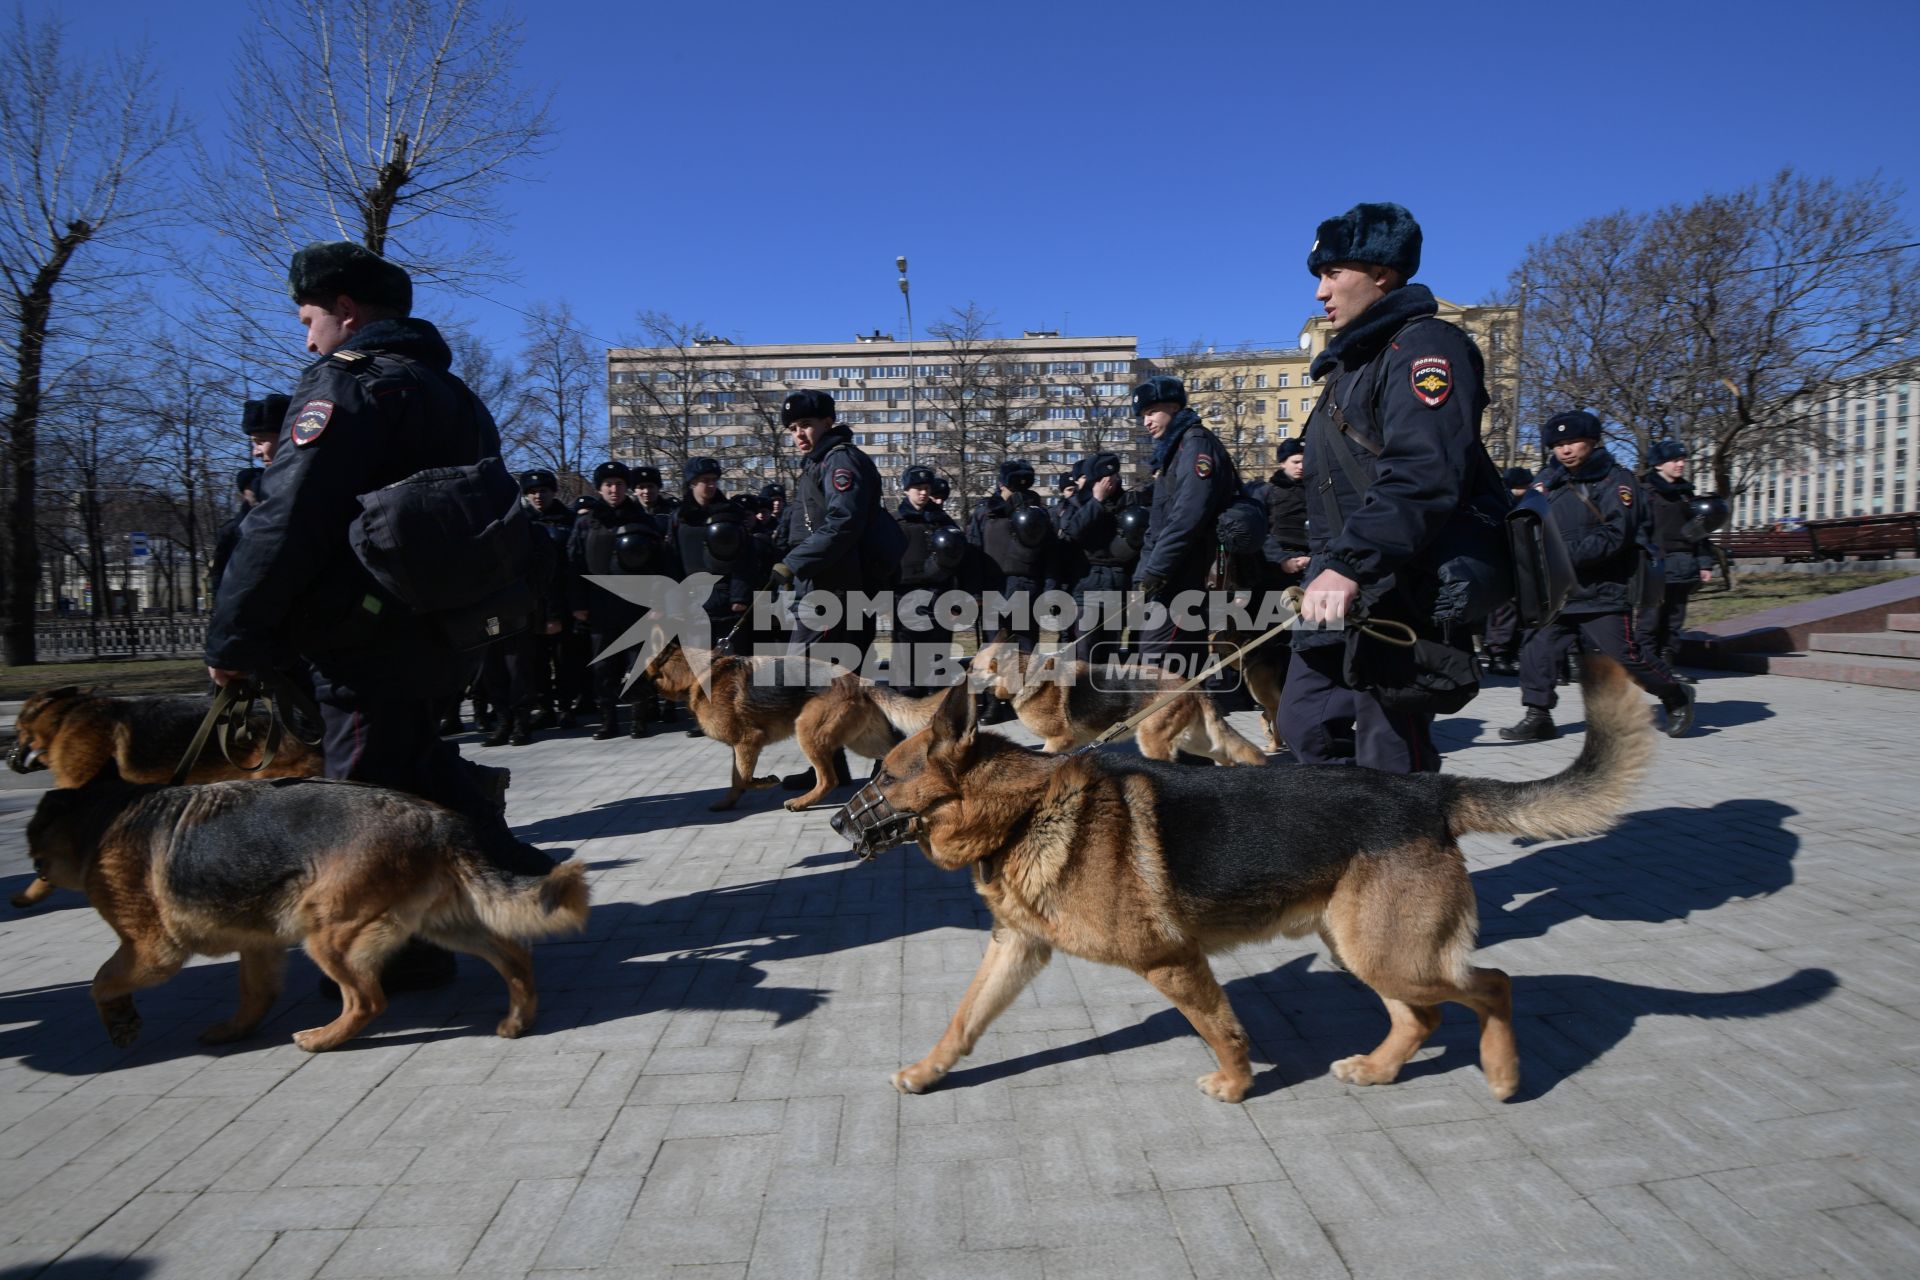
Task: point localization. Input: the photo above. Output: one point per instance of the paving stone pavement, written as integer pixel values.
(1716, 1014)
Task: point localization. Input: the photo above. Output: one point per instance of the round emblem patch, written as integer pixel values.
(1626, 495)
(1203, 465)
(842, 479)
(313, 419)
(1432, 380)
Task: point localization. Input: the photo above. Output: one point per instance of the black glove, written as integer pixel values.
(1150, 584)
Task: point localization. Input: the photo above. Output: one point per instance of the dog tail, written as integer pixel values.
(1224, 738)
(527, 907)
(1586, 797)
(908, 715)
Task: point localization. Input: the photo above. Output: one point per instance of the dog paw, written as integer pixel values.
(770, 780)
(316, 1039)
(1357, 1070)
(123, 1031)
(1224, 1087)
(917, 1078)
(1503, 1084)
(799, 804)
(513, 1026)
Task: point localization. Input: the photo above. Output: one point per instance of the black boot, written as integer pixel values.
(522, 734)
(542, 718)
(1536, 726)
(501, 735)
(609, 724)
(1680, 713)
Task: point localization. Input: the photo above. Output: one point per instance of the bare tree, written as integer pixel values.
(85, 149)
(190, 416)
(562, 419)
(393, 123)
(676, 399)
(984, 402)
(1723, 323)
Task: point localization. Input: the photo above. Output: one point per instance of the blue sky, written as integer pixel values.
(1112, 168)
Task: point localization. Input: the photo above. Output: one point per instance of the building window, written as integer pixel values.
(1259, 406)
(1239, 381)
(1282, 381)
(1280, 409)
(1259, 382)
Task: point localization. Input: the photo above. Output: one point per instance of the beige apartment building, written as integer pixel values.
(958, 407)
(1254, 399)
(1861, 464)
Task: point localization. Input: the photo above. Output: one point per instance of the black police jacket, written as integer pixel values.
(372, 413)
(917, 565)
(1669, 502)
(1601, 515)
(1094, 528)
(687, 531)
(991, 530)
(1286, 519)
(223, 549)
(591, 549)
(839, 537)
(1193, 482)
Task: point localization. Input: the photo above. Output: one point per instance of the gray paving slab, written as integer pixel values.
(1716, 1006)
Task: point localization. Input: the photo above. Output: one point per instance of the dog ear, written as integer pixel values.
(953, 723)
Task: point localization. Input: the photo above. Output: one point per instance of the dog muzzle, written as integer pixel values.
(24, 759)
(873, 825)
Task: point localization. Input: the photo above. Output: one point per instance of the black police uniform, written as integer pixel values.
(1683, 543)
(924, 577)
(594, 549)
(377, 410)
(1286, 503)
(514, 673)
(1014, 564)
(225, 544)
(561, 682)
(1502, 635)
(1601, 515)
(839, 539)
(1411, 386)
(1093, 528)
(730, 555)
(1193, 482)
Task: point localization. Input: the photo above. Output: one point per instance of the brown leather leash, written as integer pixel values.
(231, 718)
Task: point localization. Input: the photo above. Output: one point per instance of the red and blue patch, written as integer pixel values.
(313, 419)
(1432, 380)
(842, 479)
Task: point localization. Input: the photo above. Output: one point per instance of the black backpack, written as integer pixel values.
(457, 546)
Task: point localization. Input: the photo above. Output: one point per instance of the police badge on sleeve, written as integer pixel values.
(842, 479)
(1432, 380)
(313, 419)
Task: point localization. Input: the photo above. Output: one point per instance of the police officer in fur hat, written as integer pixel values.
(1683, 543)
(1602, 516)
(1501, 640)
(712, 533)
(247, 483)
(294, 582)
(513, 675)
(840, 539)
(263, 420)
(1014, 534)
(613, 535)
(1104, 523)
(560, 676)
(1193, 481)
(929, 566)
(1395, 478)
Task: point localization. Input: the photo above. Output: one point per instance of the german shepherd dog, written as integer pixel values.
(1265, 671)
(1058, 697)
(78, 733)
(1153, 866)
(748, 703)
(349, 870)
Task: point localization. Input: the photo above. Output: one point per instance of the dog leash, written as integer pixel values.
(1290, 599)
(231, 717)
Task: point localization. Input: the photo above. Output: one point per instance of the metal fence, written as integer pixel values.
(121, 638)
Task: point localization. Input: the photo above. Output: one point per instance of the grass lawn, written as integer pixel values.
(109, 675)
(1755, 592)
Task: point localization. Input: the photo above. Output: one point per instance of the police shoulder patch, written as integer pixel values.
(312, 420)
(1626, 495)
(1203, 465)
(1432, 380)
(842, 479)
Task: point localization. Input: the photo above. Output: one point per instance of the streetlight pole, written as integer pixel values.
(913, 377)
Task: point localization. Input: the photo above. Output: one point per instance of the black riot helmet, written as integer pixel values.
(634, 547)
(1133, 526)
(949, 546)
(1031, 525)
(1711, 511)
(725, 543)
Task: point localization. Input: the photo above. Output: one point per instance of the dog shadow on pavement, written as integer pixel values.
(1302, 1018)
(1659, 865)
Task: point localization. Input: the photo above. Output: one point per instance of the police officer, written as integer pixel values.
(839, 540)
(1502, 638)
(1014, 534)
(614, 534)
(939, 491)
(1193, 481)
(1601, 515)
(1683, 542)
(560, 673)
(513, 675)
(262, 420)
(247, 482)
(929, 566)
(1395, 474)
(712, 533)
(650, 492)
(377, 406)
(1286, 501)
(1106, 526)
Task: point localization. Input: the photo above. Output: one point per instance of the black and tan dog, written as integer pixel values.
(749, 703)
(77, 733)
(348, 870)
(1061, 697)
(1152, 866)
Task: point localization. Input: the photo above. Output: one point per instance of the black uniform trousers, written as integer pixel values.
(396, 742)
(914, 649)
(1166, 636)
(610, 674)
(1662, 623)
(1503, 631)
(510, 673)
(1317, 705)
(1103, 636)
(1026, 638)
(1614, 634)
